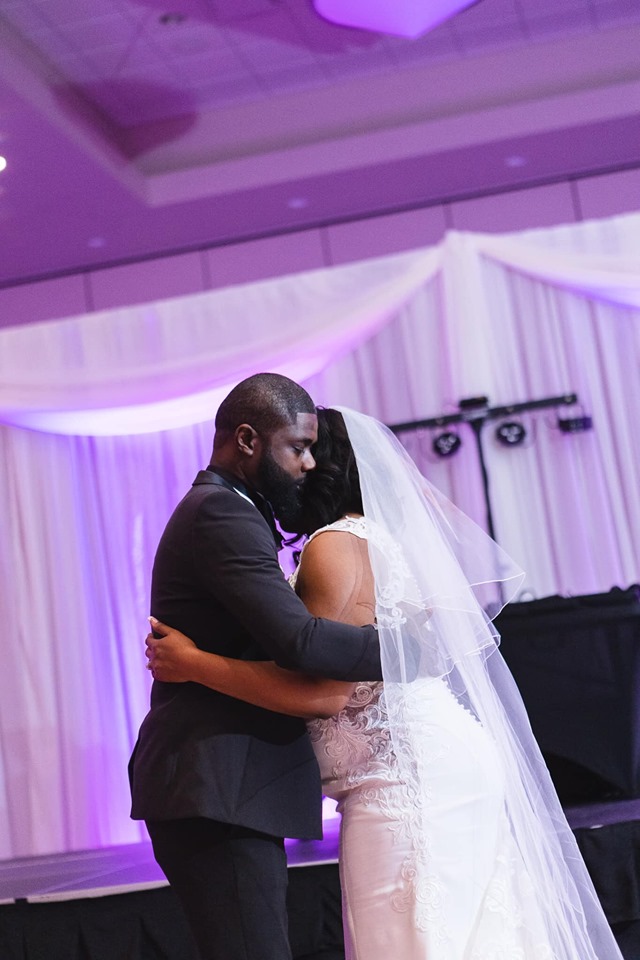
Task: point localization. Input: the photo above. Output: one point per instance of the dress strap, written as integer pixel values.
(355, 525)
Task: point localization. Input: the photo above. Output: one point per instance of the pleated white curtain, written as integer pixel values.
(107, 418)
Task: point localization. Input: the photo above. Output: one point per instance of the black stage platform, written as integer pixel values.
(114, 904)
(577, 663)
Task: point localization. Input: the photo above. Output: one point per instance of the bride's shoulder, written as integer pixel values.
(351, 523)
(336, 545)
(335, 578)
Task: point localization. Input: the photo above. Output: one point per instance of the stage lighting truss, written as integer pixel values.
(476, 412)
(447, 443)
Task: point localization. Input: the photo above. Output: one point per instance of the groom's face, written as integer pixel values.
(285, 462)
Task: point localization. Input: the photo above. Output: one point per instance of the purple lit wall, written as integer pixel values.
(583, 198)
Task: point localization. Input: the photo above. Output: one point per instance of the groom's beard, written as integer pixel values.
(282, 491)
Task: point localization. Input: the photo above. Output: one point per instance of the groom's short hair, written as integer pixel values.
(266, 401)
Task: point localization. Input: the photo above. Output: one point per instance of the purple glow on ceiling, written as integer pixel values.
(402, 18)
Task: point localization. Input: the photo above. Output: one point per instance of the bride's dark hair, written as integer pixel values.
(333, 488)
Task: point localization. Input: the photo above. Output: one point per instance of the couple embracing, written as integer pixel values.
(374, 677)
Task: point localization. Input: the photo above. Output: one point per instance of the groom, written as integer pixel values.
(220, 783)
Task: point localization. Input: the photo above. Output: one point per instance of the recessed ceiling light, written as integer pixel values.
(297, 203)
(515, 160)
(3, 163)
(96, 242)
(172, 19)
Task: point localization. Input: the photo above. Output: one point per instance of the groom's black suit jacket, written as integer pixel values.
(199, 753)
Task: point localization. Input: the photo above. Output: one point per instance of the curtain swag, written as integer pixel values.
(162, 365)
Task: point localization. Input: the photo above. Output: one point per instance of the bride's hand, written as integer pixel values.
(171, 655)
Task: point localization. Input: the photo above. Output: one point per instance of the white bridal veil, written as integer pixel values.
(436, 573)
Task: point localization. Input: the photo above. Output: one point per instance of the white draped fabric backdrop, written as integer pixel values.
(106, 418)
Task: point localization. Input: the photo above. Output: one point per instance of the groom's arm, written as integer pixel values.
(237, 562)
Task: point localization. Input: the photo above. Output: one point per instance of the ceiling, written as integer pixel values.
(137, 127)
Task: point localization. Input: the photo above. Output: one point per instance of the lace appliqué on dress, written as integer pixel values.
(510, 925)
(355, 749)
(356, 744)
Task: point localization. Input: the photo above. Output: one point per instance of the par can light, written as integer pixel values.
(446, 443)
(510, 433)
(574, 424)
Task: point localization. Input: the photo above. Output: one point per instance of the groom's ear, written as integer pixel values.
(247, 440)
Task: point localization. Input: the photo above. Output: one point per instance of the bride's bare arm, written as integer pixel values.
(334, 581)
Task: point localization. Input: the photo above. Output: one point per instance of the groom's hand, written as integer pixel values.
(170, 653)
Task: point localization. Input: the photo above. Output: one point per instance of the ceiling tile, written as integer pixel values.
(53, 47)
(102, 63)
(274, 56)
(510, 33)
(485, 14)
(370, 65)
(290, 78)
(212, 66)
(433, 46)
(62, 12)
(24, 18)
(224, 91)
(534, 8)
(613, 12)
(189, 37)
(100, 31)
(560, 22)
(324, 37)
(226, 12)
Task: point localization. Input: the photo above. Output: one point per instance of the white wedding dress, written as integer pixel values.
(431, 877)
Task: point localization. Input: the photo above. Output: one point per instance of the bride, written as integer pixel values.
(453, 843)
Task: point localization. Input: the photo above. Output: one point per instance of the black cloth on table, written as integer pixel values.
(576, 661)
